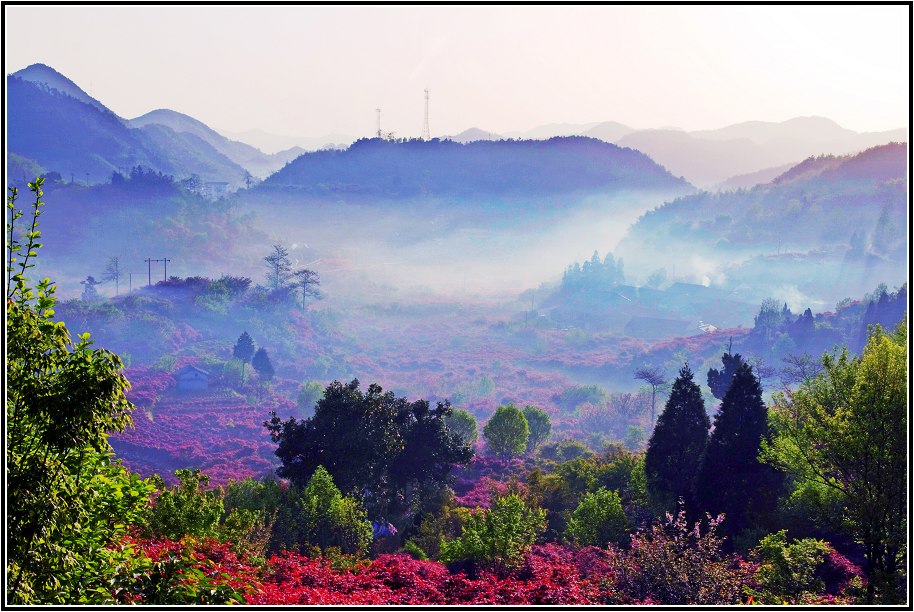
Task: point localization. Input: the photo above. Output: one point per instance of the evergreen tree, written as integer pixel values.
(730, 478)
(243, 350)
(279, 268)
(262, 364)
(675, 447)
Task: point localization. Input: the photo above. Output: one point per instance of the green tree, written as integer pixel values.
(262, 365)
(676, 445)
(501, 535)
(328, 518)
(730, 478)
(186, 508)
(540, 426)
(67, 500)
(598, 520)
(506, 432)
(842, 434)
(243, 350)
(464, 425)
(308, 395)
(401, 452)
(719, 380)
(787, 572)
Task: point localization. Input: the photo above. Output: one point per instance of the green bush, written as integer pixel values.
(186, 508)
(330, 519)
(598, 520)
(786, 573)
(500, 536)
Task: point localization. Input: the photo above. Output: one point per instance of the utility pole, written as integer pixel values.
(148, 271)
(165, 260)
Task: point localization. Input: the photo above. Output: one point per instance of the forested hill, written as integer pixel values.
(409, 168)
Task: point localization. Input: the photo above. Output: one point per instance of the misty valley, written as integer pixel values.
(476, 370)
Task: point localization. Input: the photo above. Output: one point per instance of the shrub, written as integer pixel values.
(786, 574)
(598, 520)
(499, 536)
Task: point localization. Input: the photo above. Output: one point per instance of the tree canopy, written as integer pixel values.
(507, 431)
(395, 452)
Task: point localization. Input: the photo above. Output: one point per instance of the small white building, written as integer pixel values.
(191, 378)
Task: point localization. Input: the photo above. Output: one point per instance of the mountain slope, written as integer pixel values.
(417, 168)
(46, 76)
(255, 161)
(709, 157)
(827, 223)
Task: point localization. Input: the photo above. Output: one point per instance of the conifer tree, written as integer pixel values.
(244, 350)
(675, 447)
(730, 478)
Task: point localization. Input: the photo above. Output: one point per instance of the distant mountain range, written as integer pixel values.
(382, 168)
(54, 125)
(724, 158)
(816, 228)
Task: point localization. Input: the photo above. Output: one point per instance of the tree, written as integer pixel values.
(463, 424)
(501, 535)
(113, 273)
(719, 381)
(279, 268)
(842, 433)
(598, 520)
(799, 368)
(397, 453)
(655, 378)
(307, 282)
(262, 364)
(67, 499)
(675, 447)
(730, 478)
(243, 350)
(328, 518)
(186, 508)
(308, 395)
(90, 293)
(507, 431)
(539, 425)
(787, 572)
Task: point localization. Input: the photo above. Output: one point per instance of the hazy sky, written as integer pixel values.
(310, 71)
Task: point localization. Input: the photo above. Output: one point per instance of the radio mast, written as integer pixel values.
(425, 132)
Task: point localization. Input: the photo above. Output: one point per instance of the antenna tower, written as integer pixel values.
(379, 122)
(425, 132)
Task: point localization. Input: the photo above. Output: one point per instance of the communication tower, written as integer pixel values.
(425, 131)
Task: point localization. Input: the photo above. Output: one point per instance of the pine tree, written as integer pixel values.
(244, 350)
(730, 478)
(675, 447)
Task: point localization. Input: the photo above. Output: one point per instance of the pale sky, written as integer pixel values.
(312, 70)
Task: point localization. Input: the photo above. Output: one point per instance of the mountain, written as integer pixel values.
(610, 131)
(54, 124)
(828, 225)
(747, 181)
(49, 78)
(375, 167)
(708, 157)
(255, 161)
(276, 143)
(551, 130)
(473, 134)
